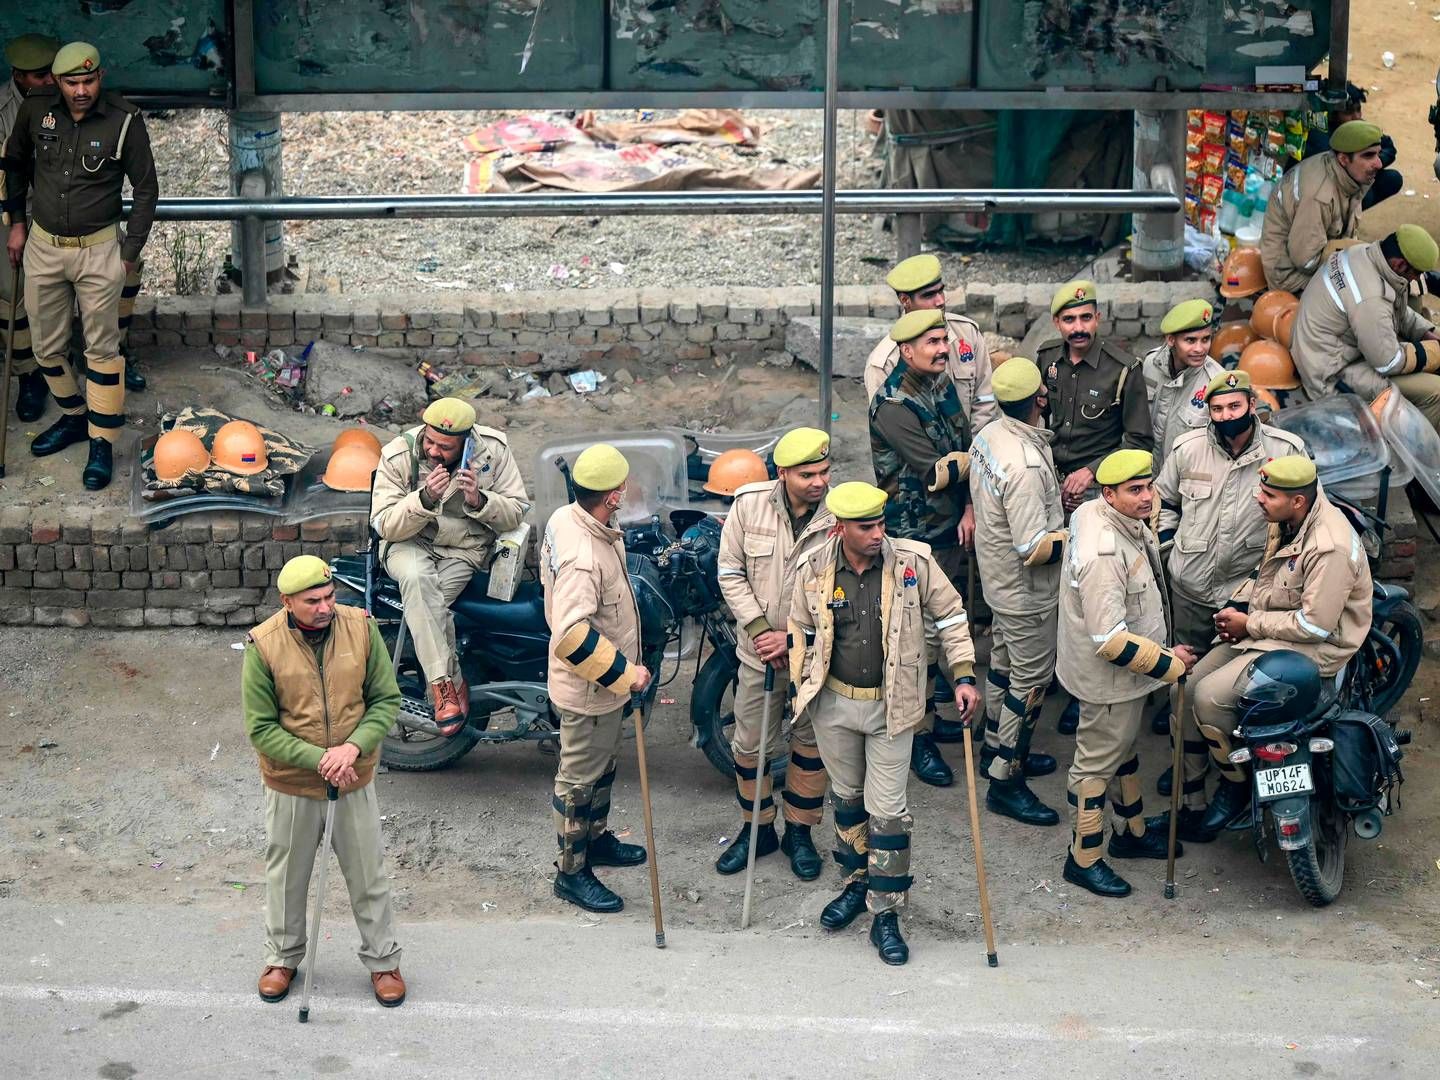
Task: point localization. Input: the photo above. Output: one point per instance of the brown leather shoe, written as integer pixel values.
(462, 695)
(389, 987)
(275, 983)
(449, 716)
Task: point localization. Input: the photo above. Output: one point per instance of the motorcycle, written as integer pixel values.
(503, 645)
(1323, 769)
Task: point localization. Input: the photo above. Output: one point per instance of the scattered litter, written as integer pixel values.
(47, 744)
(793, 925)
(428, 265)
(1045, 884)
(622, 834)
(667, 701)
(585, 382)
(156, 865)
(238, 886)
(238, 646)
(486, 905)
(897, 993)
(220, 830)
(723, 841)
(1410, 192)
(61, 922)
(559, 271)
(1387, 58)
(1296, 1046)
(1422, 985)
(214, 751)
(617, 268)
(45, 481)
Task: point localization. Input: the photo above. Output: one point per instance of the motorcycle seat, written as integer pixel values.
(1385, 592)
(525, 613)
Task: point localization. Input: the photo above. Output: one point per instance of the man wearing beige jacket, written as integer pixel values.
(438, 517)
(858, 623)
(594, 668)
(770, 527)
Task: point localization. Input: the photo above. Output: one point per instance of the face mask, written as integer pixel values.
(1230, 429)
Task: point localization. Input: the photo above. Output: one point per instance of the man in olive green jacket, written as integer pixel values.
(319, 695)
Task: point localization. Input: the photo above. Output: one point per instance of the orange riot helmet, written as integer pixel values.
(240, 448)
(356, 436)
(351, 468)
(733, 469)
(1231, 339)
(178, 452)
(1285, 325)
(1243, 274)
(1269, 366)
(1270, 307)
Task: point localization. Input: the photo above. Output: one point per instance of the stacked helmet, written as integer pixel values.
(733, 469)
(1243, 274)
(1270, 307)
(240, 448)
(1269, 366)
(178, 452)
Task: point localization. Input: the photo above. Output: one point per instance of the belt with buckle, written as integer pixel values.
(854, 693)
(99, 236)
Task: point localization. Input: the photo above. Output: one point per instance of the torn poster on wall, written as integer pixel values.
(1101, 34)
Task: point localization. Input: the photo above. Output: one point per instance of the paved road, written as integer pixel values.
(120, 992)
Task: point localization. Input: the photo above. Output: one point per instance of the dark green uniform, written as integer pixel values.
(858, 656)
(915, 420)
(1097, 406)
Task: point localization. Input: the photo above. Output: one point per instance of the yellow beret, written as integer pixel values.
(301, 573)
(802, 446)
(914, 323)
(1418, 247)
(31, 52)
(914, 273)
(1015, 380)
(77, 58)
(1072, 294)
(449, 415)
(1354, 136)
(1288, 473)
(1227, 382)
(600, 468)
(856, 500)
(1188, 315)
(1123, 466)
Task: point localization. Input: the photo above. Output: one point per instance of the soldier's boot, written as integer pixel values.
(134, 381)
(574, 880)
(606, 849)
(927, 764)
(1130, 837)
(1069, 719)
(1232, 797)
(735, 857)
(1083, 865)
(30, 397)
(1160, 722)
(1188, 827)
(1014, 799)
(105, 400)
(804, 798)
(944, 731)
(1007, 739)
(99, 467)
(66, 431)
(885, 936)
(852, 853)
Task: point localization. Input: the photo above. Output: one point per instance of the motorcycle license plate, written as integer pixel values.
(1286, 780)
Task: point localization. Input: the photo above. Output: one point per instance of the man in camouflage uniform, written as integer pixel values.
(917, 442)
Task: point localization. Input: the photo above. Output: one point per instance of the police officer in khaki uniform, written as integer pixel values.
(858, 636)
(1355, 331)
(594, 668)
(438, 523)
(918, 437)
(1318, 203)
(310, 738)
(29, 57)
(1213, 533)
(1019, 538)
(1177, 373)
(771, 526)
(1114, 626)
(1310, 593)
(919, 285)
(79, 147)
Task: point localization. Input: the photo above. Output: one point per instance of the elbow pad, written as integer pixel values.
(1422, 357)
(592, 656)
(950, 470)
(1142, 656)
(1047, 550)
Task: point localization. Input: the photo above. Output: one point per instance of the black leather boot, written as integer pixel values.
(607, 850)
(30, 397)
(1155, 844)
(804, 859)
(1230, 799)
(66, 431)
(1187, 828)
(927, 764)
(1160, 722)
(1165, 785)
(733, 859)
(1014, 799)
(1035, 764)
(842, 911)
(134, 381)
(100, 466)
(885, 936)
(585, 890)
(1069, 719)
(1096, 878)
(949, 731)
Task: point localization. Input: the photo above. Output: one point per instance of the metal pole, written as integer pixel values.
(252, 244)
(827, 212)
(1159, 240)
(645, 203)
(1339, 72)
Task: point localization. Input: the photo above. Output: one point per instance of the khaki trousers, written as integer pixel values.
(294, 828)
(1423, 391)
(1212, 702)
(1022, 663)
(868, 772)
(1194, 626)
(24, 356)
(429, 585)
(56, 278)
(804, 794)
(583, 778)
(1105, 760)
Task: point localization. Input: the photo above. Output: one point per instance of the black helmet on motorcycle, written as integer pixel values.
(1279, 683)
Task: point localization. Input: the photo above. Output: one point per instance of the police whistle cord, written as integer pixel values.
(990, 956)
(644, 718)
(1177, 781)
(9, 360)
(760, 766)
(313, 951)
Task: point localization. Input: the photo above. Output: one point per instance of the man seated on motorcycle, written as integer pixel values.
(1311, 594)
(438, 517)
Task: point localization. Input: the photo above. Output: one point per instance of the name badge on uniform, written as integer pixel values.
(1094, 393)
(837, 599)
